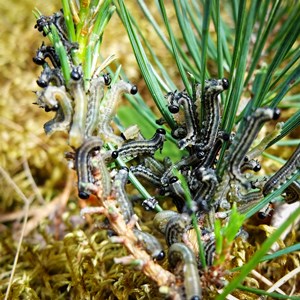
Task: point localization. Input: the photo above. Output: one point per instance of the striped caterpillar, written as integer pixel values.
(139, 148)
(107, 109)
(284, 173)
(180, 254)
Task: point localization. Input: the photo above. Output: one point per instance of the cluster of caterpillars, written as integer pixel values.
(86, 118)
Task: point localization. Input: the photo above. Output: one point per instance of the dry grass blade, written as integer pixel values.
(266, 281)
(26, 208)
(284, 279)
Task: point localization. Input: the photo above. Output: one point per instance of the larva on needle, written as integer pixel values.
(284, 173)
(82, 165)
(139, 148)
(211, 111)
(107, 108)
(177, 193)
(146, 173)
(100, 175)
(46, 52)
(76, 135)
(180, 254)
(57, 99)
(173, 225)
(119, 193)
(150, 243)
(244, 139)
(183, 99)
(209, 182)
(96, 94)
(50, 76)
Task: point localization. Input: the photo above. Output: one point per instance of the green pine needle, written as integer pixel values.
(258, 255)
(61, 51)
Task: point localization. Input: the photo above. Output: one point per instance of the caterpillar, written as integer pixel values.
(82, 165)
(173, 225)
(77, 131)
(180, 254)
(146, 173)
(119, 193)
(243, 140)
(182, 99)
(107, 108)
(284, 173)
(50, 76)
(57, 99)
(96, 93)
(210, 120)
(139, 148)
(46, 52)
(150, 243)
